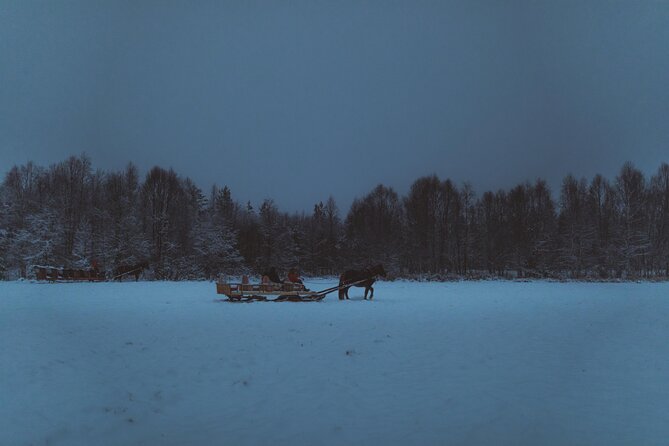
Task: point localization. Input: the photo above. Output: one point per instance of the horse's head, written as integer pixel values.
(378, 270)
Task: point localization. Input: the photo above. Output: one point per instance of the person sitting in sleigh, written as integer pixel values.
(294, 277)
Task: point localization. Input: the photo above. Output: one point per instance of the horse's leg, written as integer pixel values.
(371, 296)
(342, 290)
(366, 291)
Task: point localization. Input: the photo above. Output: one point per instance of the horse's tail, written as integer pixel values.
(342, 291)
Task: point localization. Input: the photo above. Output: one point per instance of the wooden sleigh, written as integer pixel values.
(243, 292)
(58, 274)
(284, 292)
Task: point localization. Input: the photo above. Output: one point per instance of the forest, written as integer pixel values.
(71, 215)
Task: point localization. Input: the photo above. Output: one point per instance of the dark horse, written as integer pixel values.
(353, 275)
(124, 270)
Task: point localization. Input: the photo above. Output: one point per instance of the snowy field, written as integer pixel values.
(472, 363)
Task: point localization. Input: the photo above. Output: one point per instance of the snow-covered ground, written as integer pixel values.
(472, 363)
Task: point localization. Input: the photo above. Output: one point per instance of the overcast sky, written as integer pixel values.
(298, 100)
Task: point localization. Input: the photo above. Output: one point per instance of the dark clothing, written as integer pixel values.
(272, 275)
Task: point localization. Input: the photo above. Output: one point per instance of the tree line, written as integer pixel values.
(71, 215)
